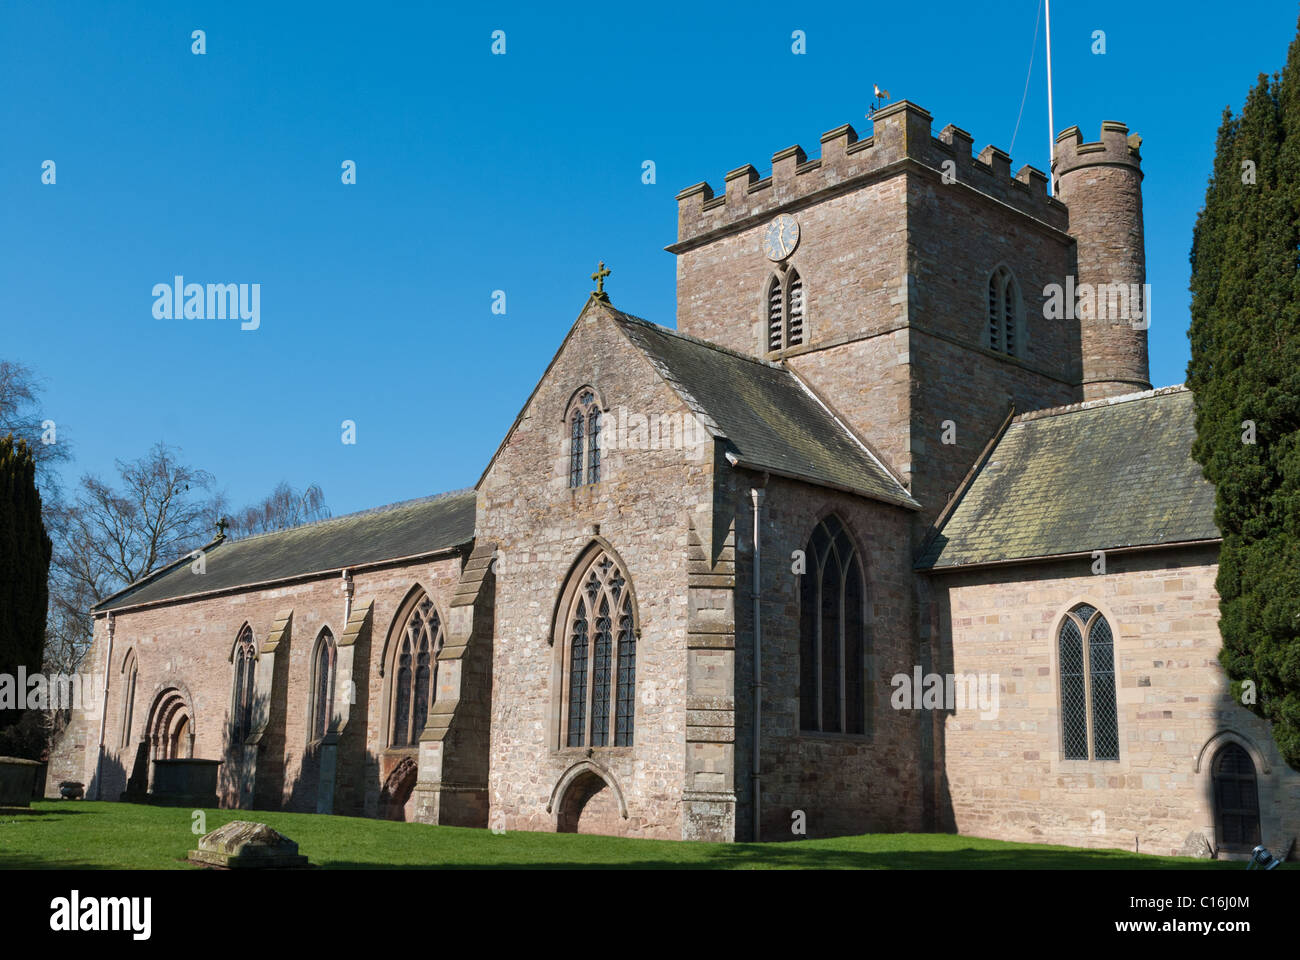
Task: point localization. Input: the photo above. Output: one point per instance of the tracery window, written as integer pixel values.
(584, 440)
(832, 634)
(1004, 312)
(599, 666)
(1089, 715)
(324, 660)
(785, 311)
(414, 673)
(241, 699)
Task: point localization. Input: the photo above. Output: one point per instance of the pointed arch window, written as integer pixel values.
(832, 634)
(324, 659)
(599, 656)
(414, 673)
(1089, 715)
(784, 303)
(584, 440)
(1004, 312)
(130, 671)
(241, 698)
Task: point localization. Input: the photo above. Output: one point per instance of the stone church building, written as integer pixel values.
(878, 538)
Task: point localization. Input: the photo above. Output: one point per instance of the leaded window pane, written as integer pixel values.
(1074, 705)
(575, 450)
(578, 677)
(593, 455)
(830, 645)
(402, 698)
(600, 677)
(1101, 664)
(420, 707)
(854, 668)
(626, 708)
(809, 603)
(324, 684)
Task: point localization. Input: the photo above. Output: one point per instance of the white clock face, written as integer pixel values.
(781, 237)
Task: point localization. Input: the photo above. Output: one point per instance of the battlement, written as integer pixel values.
(1116, 147)
(901, 137)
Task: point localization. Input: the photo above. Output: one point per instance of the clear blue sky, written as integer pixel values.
(476, 173)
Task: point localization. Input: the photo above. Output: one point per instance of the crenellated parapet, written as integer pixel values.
(1117, 147)
(901, 139)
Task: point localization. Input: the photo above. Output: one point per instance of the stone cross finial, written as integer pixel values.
(599, 276)
(222, 523)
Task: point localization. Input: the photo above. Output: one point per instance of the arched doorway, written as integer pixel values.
(1236, 799)
(395, 799)
(170, 731)
(589, 806)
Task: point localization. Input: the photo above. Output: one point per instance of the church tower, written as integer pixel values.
(901, 276)
(1101, 184)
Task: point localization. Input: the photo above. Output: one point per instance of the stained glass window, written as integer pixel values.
(832, 634)
(600, 659)
(241, 708)
(1089, 711)
(414, 673)
(584, 440)
(323, 685)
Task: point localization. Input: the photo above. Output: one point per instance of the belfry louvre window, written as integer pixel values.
(414, 673)
(584, 440)
(1089, 716)
(784, 304)
(599, 667)
(832, 634)
(1003, 312)
(322, 685)
(241, 701)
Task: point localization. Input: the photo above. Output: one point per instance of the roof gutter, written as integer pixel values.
(1136, 548)
(297, 578)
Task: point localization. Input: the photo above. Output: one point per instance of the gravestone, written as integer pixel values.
(242, 845)
(17, 781)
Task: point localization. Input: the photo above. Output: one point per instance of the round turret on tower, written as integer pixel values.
(1101, 184)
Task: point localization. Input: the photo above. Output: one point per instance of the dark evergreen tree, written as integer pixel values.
(1245, 374)
(24, 566)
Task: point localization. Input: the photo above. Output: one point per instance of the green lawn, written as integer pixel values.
(82, 834)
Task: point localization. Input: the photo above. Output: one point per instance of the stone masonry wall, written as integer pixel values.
(844, 784)
(188, 644)
(1005, 778)
(642, 508)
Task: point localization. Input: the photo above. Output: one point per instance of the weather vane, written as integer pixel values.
(876, 104)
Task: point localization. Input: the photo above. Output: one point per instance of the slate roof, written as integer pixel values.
(1098, 475)
(408, 529)
(770, 420)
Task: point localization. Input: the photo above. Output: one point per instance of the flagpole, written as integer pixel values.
(1051, 125)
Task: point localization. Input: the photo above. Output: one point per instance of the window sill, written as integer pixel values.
(819, 735)
(589, 752)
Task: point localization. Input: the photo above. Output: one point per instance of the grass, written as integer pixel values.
(56, 834)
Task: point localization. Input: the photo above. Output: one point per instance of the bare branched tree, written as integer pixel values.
(284, 508)
(20, 415)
